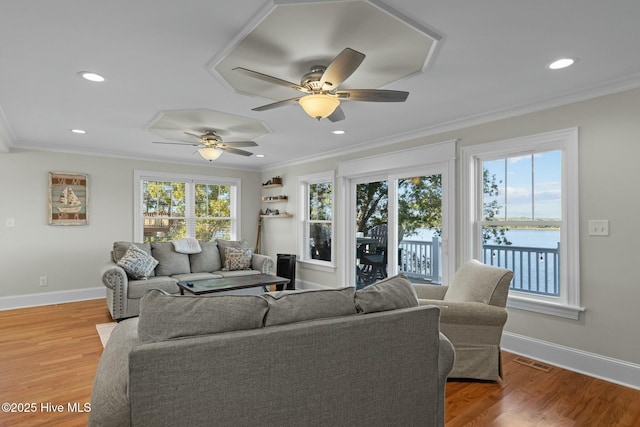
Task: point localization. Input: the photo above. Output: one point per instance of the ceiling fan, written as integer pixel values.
(322, 99)
(211, 145)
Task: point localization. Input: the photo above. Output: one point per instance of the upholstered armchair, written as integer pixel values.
(472, 316)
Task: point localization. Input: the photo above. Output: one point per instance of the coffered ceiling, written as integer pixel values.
(168, 64)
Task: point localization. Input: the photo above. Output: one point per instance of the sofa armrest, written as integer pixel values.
(468, 313)
(113, 275)
(446, 358)
(263, 263)
(430, 291)
(110, 403)
(115, 279)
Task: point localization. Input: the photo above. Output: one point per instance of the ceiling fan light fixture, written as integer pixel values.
(319, 105)
(210, 153)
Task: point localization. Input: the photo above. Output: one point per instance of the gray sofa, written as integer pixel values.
(295, 358)
(124, 290)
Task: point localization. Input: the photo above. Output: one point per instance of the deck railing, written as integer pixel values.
(420, 260)
(536, 270)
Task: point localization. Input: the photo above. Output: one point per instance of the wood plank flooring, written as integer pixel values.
(50, 354)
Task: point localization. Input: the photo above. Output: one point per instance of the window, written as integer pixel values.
(169, 206)
(523, 215)
(316, 207)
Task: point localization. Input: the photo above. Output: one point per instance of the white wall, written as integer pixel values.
(609, 129)
(71, 256)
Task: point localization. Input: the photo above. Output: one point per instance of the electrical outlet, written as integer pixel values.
(10, 222)
(44, 281)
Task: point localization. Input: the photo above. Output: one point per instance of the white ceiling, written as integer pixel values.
(158, 55)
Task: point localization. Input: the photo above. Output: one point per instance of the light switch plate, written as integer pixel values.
(9, 222)
(599, 227)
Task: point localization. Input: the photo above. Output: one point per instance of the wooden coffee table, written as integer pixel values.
(208, 286)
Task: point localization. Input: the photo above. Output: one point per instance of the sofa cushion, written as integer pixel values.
(137, 263)
(224, 244)
(207, 260)
(477, 282)
(164, 316)
(238, 259)
(388, 294)
(170, 262)
(137, 288)
(296, 306)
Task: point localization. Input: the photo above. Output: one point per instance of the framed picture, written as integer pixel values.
(68, 198)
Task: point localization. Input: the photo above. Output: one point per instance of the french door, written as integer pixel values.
(398, 224)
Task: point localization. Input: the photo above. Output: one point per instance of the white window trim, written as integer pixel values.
(438, 156)
(568, 304)
(141, 175)
(303, 215)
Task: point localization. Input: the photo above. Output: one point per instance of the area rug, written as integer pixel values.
(104, 331)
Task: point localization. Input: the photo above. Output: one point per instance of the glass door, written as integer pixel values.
(418, 204)
(371, 220)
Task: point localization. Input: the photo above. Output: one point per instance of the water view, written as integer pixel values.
(533, 256)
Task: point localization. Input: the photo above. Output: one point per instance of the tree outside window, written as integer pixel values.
(176, 207)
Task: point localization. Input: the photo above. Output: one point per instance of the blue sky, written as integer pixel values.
(537, 201)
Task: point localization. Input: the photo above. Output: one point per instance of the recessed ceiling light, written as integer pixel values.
(561, 63)
(78, 131)
(260, 155)
(92, 77)
(338, 132)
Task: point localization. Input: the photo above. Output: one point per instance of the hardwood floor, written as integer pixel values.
(48, 355)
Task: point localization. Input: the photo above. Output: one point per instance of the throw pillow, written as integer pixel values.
(296, 306)
(238, 259)
(477, 282)
(223, 245)
(388, 294)
(207, 260)
(164, 316)
(137, 263)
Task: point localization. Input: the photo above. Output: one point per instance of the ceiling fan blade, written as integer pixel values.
(276, 104)
(341, 68)
(373, 95)
(337, 115)
(270, 79)
(239, 144)
(235, 151)
(192, 144)
(194, 135)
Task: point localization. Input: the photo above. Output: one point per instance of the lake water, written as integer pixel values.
(531, 238)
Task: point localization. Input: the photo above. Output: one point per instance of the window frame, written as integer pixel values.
(190, 182)
(304, 181)
(568, 303)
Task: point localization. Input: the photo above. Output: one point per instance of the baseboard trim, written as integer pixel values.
(49, 298)
(594, 365)
(305, 284)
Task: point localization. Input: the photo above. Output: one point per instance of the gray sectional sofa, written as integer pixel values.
(335, 357)
(124, 290)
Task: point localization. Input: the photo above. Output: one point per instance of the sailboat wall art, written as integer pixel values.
(68, 198)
